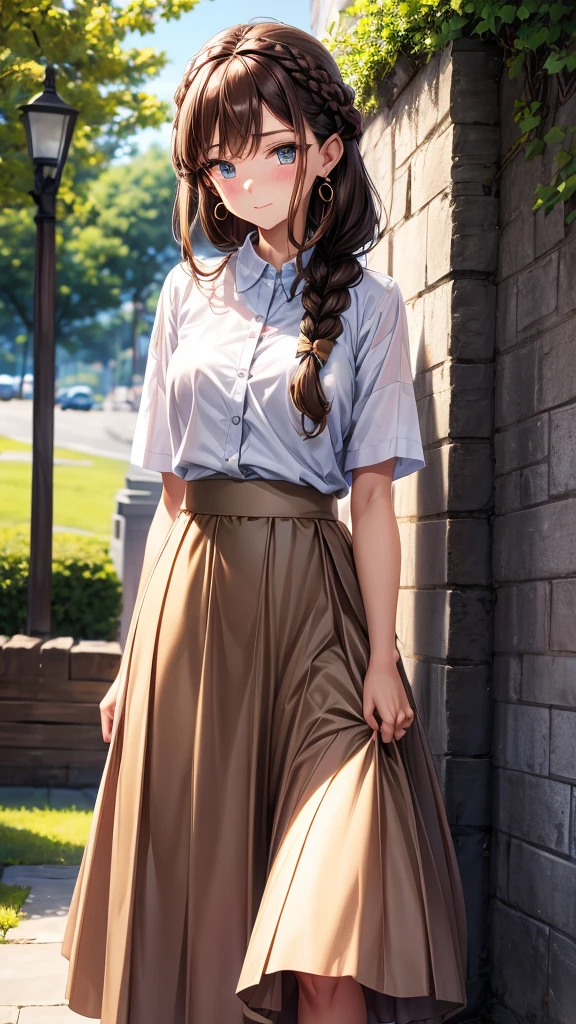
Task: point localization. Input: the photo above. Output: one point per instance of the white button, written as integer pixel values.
(235, 419)
(259, 318)
(241, 373)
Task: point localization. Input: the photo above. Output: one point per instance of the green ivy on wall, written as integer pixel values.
(538, 39)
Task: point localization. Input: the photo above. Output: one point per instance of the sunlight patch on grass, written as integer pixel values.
(43, 835)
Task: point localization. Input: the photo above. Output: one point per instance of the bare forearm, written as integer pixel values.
(164, 516)
(377, 554)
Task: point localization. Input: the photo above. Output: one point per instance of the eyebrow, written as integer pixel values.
(277, 131)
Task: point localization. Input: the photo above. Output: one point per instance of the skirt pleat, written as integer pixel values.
(246, 825)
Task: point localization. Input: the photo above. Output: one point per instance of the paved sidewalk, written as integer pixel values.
(33, 971)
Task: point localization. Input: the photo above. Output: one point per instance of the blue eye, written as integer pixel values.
(286, 154)
(227, 170)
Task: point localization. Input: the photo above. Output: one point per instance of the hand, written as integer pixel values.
(107, 708)
(384, 691)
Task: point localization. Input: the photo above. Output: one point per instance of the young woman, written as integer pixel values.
(269, 841)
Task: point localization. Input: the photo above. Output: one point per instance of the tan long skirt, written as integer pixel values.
(246, 825)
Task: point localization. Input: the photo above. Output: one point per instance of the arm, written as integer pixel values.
(376, 547)
(173, 488)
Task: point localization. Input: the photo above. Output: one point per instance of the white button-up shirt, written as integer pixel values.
(215, 397)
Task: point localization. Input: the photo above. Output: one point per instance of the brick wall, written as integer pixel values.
(50, 728)
(431, 149)
(534, 566)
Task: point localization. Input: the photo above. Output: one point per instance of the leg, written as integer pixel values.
(324, 1000)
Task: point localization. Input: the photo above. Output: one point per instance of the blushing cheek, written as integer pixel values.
(281, 180)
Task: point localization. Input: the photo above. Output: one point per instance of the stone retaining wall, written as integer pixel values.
(534, 568)
(431, 151)
(50, 728)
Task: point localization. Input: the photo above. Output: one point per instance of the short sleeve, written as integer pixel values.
(151, 447)
(384, 420)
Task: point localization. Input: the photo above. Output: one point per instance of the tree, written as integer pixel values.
(115, 247)
(83, 40)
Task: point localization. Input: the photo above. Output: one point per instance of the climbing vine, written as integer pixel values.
(537, 39)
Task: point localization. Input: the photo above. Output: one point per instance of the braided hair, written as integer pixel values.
(227, 83)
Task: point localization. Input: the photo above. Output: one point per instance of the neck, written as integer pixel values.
(273, 245)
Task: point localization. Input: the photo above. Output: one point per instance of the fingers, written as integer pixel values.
(396, 728)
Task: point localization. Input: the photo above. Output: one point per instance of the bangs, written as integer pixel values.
(228, 95)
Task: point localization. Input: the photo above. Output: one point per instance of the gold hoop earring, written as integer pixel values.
(225, 214)
(326, 184)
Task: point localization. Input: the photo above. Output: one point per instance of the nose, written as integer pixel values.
(248, 184)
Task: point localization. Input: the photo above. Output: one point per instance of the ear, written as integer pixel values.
(330, 153)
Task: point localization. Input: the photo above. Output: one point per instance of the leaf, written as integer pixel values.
(522, 13)
(556, 134)
(533, 148)
(554, 63)
(507, 13)
(516, 65)
(529, 123)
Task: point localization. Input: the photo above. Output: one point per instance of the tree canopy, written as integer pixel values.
(104, 81)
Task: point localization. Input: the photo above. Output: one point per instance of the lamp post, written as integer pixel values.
(49, 124)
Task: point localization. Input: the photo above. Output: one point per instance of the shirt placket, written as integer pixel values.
(233, 441)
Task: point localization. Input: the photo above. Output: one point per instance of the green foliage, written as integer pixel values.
(86, 590)
(537, 38)
(83, 40)
(11, 899)
(115, 245)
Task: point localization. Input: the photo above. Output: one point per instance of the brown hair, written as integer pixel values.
(289, 71)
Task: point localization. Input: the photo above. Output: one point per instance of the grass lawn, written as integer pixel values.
(83, 495)
(37, 835)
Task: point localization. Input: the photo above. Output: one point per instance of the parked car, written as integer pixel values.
(7, 388)
(79, 396)
(27, 387)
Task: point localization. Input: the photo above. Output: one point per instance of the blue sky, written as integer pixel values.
(180, 39)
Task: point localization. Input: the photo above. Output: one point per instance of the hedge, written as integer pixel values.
(86, 590)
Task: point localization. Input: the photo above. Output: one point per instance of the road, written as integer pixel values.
(98, 432)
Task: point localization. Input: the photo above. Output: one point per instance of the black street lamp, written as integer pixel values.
(49, 123)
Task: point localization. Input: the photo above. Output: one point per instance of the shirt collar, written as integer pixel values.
(251, 268)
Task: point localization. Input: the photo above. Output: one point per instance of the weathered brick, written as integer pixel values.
(473, 319)
(507, 493)
(455, 705)
(562, 615)
(444, 552)
(515, 385)
(499, 854)
(20, 656)
(567, 277)
(475, 75)
(506, 673)
(506, 320)
(457, 478)
(95, 659)
(534, 485)
(475, 233)
(539, 883)
(55, 657)
(532, 808)
(521, 618)
(555, 380)
(398, 207)
(562, 980)
(409, 254)
(467, 795)
(516, 250)
(452, 624)
(563, 743)
(522, 444)
(549, 229)
(519, 961)
(536, 542)
(537, 291)
(439, 244)
(431, 168)
(521, 737)
(563, 450)
(549, 679)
